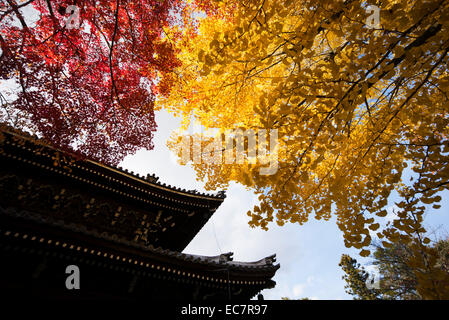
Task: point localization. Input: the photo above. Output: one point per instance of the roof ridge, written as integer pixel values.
(153, 179)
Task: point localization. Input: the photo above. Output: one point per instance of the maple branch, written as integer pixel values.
(114, 87)
(19, 15)
(13, 9)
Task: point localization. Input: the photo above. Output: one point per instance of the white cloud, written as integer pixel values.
(298, 290)
(391, 215)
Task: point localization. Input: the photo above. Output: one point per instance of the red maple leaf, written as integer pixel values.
(84, 75)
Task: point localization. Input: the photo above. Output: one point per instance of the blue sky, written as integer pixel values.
(308, 254)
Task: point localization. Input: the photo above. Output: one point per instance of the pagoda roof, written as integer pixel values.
(28, 233)
(54, 203)
(225, 259)
(150, 180)
(175, 215)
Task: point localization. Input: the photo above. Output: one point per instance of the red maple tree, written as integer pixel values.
(84, 74)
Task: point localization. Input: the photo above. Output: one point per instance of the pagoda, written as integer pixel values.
(124, 233)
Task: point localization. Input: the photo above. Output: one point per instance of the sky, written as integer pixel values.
(308, 254)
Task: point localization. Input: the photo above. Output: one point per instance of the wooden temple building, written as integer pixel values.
(124, 232)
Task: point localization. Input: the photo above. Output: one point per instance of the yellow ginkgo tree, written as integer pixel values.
(357, 92)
